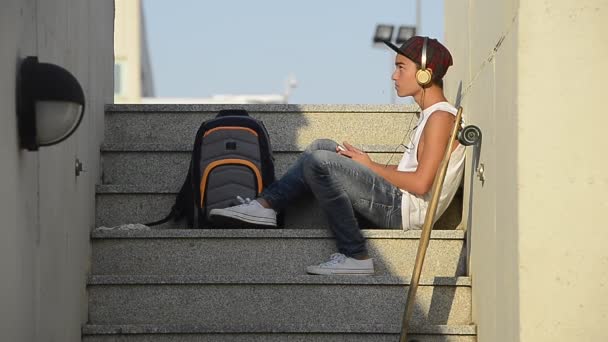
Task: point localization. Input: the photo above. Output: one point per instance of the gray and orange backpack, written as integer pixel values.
(231, 156)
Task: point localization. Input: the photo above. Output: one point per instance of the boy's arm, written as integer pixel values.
(390, 167)
(436, 135)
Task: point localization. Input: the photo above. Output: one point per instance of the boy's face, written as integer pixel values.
(405, 76)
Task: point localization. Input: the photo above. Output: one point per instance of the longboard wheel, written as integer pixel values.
(469, 135)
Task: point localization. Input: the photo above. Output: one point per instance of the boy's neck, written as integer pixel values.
(429, 97)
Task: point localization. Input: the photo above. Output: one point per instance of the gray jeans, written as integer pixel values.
(342, 187)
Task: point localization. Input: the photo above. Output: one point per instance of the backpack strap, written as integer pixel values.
(185, 201)
(180, 206)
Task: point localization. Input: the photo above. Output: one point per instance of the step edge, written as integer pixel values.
(267, 234)
(133, 189)
(259, 108)
(177, 147)
(161, 280)
(128, 329)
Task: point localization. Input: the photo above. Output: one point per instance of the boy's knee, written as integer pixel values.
(322, 144)
(317, 160)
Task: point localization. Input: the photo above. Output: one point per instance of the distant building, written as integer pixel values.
(133, 81)
(220, 99)
(132, 70)
(231, 99)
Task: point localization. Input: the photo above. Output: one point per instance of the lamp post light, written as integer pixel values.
(383, 33)
(50, 104)
(404, 33)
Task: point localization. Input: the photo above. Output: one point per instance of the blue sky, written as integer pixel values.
(200, 48)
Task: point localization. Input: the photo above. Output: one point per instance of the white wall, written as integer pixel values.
(472, 30)
(46, 212)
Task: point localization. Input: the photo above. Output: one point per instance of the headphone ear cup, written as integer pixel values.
(424, 77)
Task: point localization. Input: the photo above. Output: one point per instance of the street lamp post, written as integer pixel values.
(418, 15)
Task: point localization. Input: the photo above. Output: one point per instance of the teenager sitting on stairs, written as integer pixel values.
(344, 180)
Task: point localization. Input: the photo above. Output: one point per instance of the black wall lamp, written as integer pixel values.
(50, 104)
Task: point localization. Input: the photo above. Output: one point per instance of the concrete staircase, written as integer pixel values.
(172, 284)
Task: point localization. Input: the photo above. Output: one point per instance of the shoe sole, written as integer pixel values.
(363, 272)
(220, 216)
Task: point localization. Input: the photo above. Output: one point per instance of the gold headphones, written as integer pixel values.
(424, 76)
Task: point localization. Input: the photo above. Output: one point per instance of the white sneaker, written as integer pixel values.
(250, 211)
(341, 264)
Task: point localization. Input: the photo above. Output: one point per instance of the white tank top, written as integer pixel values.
(413, 207)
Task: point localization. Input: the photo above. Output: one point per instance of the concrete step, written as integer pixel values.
(338, 301)
(291, 127)
(274, 333)
(263, 251)
(122, 204)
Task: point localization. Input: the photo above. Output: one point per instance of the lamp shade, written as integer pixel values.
(50, 104)
(384, 33)
(404, 33)
(55, 120)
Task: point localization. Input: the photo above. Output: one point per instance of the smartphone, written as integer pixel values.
(340, 148)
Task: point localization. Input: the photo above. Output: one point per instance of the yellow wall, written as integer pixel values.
(539, 258)
(127, 49)
(564, 175)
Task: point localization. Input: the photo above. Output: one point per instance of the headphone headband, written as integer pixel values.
(423, 57)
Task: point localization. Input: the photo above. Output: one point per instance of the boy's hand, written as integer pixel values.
(355, 154)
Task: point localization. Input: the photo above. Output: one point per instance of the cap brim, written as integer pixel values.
(393, 47)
